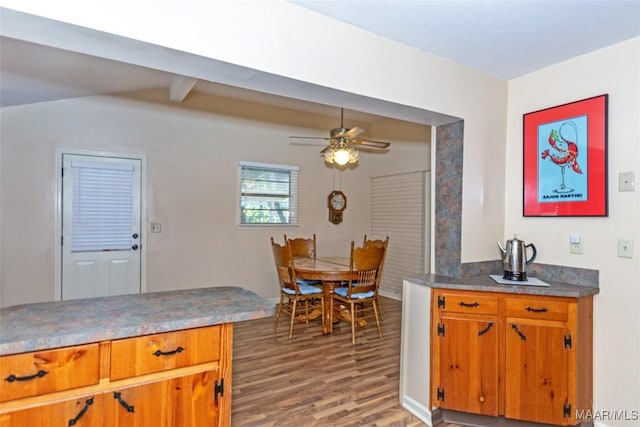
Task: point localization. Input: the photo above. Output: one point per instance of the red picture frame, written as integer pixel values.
(565, 159)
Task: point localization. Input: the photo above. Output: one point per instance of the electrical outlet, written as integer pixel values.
(625, 248)
(156, 227)
(575, 245)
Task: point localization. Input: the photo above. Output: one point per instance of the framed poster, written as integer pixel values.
(565, 159)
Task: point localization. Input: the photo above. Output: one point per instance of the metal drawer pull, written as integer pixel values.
(121, 401)
(87, 403)
(537, 310)
(515, 328)
(159, 353)
(485, 330)
(11, 378)
(464, 304)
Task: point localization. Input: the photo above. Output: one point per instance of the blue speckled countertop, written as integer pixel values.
(486, 284)
(48, 325)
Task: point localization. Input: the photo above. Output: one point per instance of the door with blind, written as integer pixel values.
(400, 210)
(100, 226)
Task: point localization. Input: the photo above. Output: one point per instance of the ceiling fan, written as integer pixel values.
(342, 142)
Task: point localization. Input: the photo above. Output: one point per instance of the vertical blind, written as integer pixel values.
(268, 194)
(398, 211)
(102, 206)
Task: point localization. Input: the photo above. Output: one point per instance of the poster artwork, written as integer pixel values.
(563, 162)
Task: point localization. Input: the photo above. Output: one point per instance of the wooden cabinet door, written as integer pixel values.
(187, 401)
(79, 412)
(537, 371)
(468, 365)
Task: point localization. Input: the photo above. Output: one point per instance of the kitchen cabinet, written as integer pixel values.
(170, 379)
(466, 343)
(523, 357)
(159, 359)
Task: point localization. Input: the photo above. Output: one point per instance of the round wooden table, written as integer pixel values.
(332, 271)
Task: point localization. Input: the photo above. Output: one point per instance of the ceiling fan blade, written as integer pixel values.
(353, 132)
(310, 137)
(373, 144)
(308, 144)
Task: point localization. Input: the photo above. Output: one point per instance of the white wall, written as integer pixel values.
(277, 38)
(192, 151)
(615, 71)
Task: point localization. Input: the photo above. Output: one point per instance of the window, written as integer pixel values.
(268, 194)
(102, 206)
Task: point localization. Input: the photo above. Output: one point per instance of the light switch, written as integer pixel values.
(625, 248)
(626, 181)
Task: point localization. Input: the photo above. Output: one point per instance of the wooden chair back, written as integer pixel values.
(285, 267)
(366, 262)
(378, 243)
(302, 247)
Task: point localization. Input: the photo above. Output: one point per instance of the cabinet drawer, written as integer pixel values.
(42, 372)
(546, 309)
(471, 303)
(160, 352)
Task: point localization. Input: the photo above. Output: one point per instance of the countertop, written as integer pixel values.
(486, 284)
(41, 326)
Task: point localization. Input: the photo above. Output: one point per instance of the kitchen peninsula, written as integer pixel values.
(161, 359)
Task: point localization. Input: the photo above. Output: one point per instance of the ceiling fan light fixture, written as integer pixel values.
(341, 155)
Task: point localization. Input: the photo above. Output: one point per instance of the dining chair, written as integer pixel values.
(291, 292)
(303, 247)
(380, 244)
(362, 290)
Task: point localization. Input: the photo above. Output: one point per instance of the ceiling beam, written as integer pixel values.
(180, 87)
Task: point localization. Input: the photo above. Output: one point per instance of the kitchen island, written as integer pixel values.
(161, 359)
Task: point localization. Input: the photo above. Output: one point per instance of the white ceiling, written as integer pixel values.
(502, 38)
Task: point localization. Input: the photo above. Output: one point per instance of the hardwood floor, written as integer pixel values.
(318, 380)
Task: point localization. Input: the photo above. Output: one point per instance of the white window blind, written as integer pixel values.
(267, 194)
(398, 211)
(102, 207)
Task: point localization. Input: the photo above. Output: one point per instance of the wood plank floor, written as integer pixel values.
(318, 380)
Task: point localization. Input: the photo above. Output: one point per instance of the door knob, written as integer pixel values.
(134, 247)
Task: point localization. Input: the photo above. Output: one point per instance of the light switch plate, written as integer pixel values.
(625, 248)
(626, 181)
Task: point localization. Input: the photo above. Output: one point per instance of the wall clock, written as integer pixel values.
(337, 202)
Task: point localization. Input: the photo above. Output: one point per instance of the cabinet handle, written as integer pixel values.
(536, 310)
(464, 304)
(515, 328)
(117, 395)
(485, 330)
(11, 378)
(84, 409)
(159, 353)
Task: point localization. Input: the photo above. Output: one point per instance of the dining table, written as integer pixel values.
(332, 272)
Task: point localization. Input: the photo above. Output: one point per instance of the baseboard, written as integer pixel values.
(393, 295)
(476, 420)
(418, 410)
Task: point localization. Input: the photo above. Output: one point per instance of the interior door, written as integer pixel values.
(100, 226)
